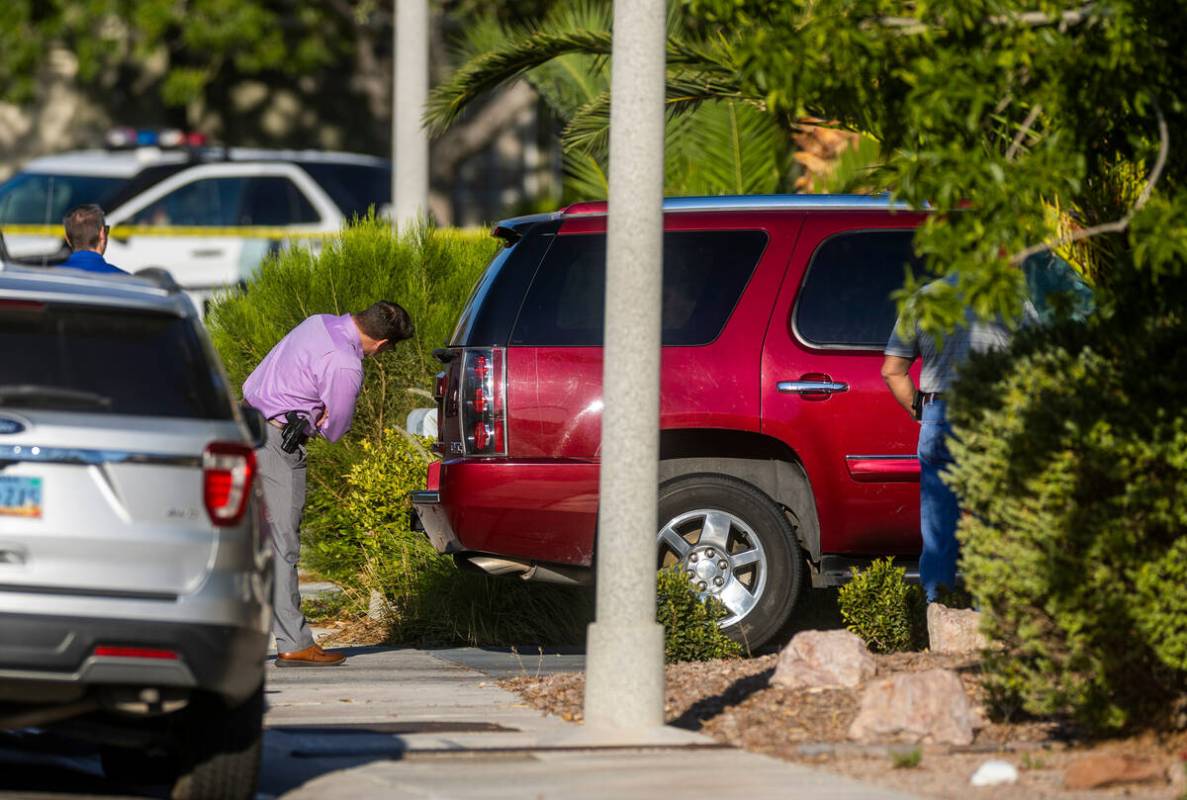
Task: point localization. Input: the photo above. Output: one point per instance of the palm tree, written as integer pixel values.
(719, 139)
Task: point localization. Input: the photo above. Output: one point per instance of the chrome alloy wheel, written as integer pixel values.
(721, 555)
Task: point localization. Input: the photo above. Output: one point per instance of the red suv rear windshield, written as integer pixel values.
(704, 274)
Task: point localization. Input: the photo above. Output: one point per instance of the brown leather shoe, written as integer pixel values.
(311, 656)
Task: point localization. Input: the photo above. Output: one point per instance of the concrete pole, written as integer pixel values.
(624, 689)
(410, 142)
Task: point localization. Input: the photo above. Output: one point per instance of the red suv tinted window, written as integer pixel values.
(704, 274)
(845, 299)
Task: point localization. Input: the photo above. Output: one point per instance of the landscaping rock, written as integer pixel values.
(926, 706)
(1098, 770)
(954, 630)
(824, 660)
(994, 773)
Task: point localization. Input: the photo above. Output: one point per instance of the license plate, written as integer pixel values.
(20, 496)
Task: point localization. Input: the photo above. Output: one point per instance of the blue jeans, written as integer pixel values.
(938, 511)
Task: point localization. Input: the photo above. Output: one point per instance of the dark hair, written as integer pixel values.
(83, 224)
(385, 320)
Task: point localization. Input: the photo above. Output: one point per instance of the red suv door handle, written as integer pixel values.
(802, 387)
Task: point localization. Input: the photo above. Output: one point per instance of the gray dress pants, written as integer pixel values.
(283, 478)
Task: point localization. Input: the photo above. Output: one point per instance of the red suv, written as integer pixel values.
(783, 456)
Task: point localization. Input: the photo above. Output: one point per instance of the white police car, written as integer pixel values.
(207, 214)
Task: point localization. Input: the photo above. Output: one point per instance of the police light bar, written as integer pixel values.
(121, 137)
(171, 137)
(124, 138)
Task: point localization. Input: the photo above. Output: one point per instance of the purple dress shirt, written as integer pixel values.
(317, 368)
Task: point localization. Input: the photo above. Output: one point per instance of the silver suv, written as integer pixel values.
(135, 566)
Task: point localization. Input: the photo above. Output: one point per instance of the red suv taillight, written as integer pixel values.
(483, 402)
(227, 471)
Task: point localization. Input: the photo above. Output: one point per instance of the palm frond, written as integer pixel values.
(569, 81)
(480, 35)
(858, 169)
(494, 68)
(726, 147)
(588, 129)
(585, 178)
(578, 15)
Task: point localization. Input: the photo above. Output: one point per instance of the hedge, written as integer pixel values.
(1072, 468)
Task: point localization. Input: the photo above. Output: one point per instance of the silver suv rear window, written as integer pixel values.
(61, 357)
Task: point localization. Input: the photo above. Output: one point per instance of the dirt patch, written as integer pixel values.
(733, 702)
(353, 632)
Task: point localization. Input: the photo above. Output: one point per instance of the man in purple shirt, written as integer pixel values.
(311, 376)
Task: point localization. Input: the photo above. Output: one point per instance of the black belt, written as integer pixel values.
(931, 397)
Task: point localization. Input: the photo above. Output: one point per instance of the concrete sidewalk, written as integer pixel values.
(403, 723)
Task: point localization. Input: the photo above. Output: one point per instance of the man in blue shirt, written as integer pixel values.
(939, 511)
(86, 233)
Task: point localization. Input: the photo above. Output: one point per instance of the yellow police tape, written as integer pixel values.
(201, 231)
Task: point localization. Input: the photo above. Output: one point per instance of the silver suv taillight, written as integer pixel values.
(483, 402)
(227, 472)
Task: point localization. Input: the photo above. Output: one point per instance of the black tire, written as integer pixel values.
(696, 507)
(222, 749)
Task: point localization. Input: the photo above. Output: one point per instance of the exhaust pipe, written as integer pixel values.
(499, 567)
(525, 570)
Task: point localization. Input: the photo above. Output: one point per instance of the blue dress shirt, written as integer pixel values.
(90, 261)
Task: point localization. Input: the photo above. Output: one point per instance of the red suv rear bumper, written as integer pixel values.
(539, 510)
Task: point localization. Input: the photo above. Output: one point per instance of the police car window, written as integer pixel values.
(353, 187)
(704, 274)
(845, 298)
(275, 200)
(35, 199)
(206, 202)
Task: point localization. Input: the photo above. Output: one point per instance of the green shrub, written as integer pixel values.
(883, 609)
(1073, 464)
(690, 625)
(429, 599)
(363, 527)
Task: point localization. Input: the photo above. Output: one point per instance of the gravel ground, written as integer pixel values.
(733, 702)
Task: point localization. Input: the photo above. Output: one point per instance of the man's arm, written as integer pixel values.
(896, 373)
(339, 391)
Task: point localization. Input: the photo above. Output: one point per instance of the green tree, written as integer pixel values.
(184, 47)
(730, 145)
(1042, 123)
